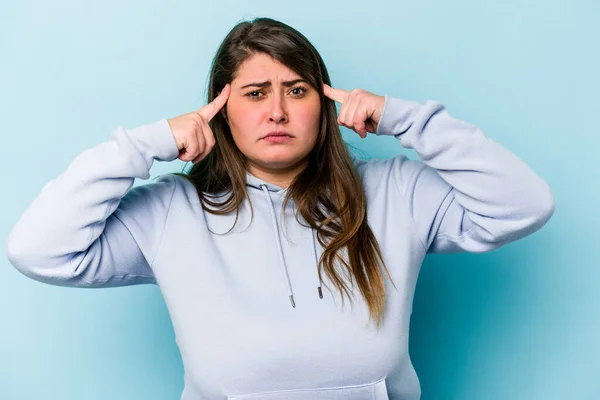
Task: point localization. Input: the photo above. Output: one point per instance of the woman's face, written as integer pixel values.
(266, 97)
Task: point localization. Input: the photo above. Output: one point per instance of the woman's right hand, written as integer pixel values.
(192, 133)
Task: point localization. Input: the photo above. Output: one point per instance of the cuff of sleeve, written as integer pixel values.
(158, 139)
(397, 116)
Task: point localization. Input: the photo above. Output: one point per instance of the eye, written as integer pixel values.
(297, 91)
(301, 90)
(254, 94)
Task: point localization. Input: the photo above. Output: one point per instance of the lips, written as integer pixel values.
(278, 137)
(278, 133)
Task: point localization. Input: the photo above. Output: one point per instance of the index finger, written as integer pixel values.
(212, 108)
(338, 95)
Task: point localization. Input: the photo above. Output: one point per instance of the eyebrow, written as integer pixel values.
(268, 83)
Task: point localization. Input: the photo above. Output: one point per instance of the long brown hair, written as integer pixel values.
(328, 193)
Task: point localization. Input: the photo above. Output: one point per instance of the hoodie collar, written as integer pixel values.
(258, 183)
(268, 188)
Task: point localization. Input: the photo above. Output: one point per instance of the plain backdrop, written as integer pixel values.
(518, 323)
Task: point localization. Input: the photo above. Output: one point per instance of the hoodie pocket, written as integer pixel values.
(370, 391)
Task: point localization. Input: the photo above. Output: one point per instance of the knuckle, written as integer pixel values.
(211, 140)
(197, 121)
(196, 118)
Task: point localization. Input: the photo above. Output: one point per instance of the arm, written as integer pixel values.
(87, 228)
(468, 193)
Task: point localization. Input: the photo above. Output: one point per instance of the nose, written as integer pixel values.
(278, 112)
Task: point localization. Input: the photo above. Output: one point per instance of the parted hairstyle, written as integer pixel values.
(328, 193)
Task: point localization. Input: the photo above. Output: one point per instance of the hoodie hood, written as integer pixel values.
(268, 189)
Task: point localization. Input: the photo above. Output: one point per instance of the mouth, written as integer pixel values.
(277, 137)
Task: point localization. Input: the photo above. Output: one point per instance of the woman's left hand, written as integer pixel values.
(360, 111)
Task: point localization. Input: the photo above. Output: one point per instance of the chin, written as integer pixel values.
(279, 161)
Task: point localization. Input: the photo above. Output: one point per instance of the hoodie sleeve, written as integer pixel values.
(467, 193)
(88, 227)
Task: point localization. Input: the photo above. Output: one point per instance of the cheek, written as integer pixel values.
(309, 117)
(244, 121)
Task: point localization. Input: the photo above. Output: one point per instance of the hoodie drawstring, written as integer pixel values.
(314, 235)
(280, 249)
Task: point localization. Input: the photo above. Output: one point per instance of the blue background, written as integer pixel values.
(521, 322)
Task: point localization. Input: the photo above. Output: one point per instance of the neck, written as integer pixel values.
(281, 177)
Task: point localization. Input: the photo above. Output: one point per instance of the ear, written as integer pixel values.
(224, 114)
(223, 110)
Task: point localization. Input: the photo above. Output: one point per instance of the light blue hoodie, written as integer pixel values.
(229, 295)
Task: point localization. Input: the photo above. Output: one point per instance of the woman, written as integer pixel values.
(273, 209)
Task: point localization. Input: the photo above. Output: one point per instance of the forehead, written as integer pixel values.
(263, 67)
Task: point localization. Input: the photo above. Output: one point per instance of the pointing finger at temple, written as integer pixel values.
(338, 95)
